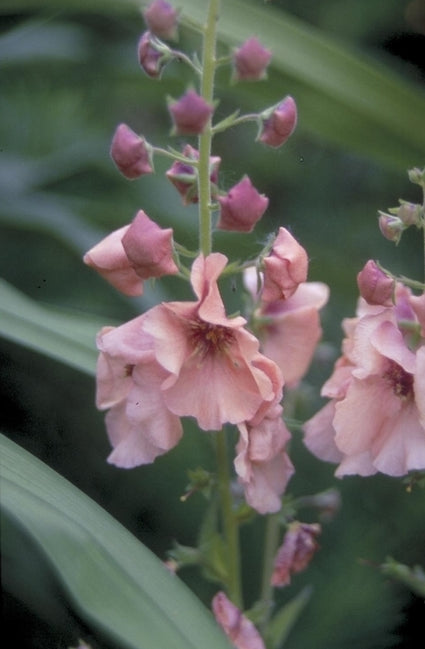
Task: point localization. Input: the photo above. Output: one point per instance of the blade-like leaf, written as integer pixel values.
(115, 581)
(282, 623)
(63, 336)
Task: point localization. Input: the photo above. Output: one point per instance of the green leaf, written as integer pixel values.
(64, 336)
(115, 582)
(284, 620)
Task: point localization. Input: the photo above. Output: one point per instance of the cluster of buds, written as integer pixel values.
(398, 219)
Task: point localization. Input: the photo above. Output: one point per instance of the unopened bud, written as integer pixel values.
(417, 176)
(190, 113)
(409, 213)
(149, 247)
(242, 207)
(391, 226)
(279, 123)
(131, 153)
(374, 285)
(250, 61)
(161, 19)
(296, 552)
(153, 55)
(185, 178)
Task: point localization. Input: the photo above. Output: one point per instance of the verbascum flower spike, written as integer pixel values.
(131, 153)
(278, 123)
(190, 113)
(161, 19)
(250, 61)
(241, 207)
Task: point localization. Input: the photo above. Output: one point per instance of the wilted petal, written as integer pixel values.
(238, 628)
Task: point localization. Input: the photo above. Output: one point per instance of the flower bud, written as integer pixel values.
(161, 19)
(391, 226)
(242, 207)
(374, 285)
(185, 179)
(294, 555)
(409, 213)
(238, 628)
(190, 114)
(279, 123)
(149, 248)
(130, 153)
(250, 61)
(285, 268)
(153, 55)
(417, 176)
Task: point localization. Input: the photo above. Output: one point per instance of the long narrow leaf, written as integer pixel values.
(115, 582)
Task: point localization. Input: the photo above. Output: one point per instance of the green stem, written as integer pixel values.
(205, 139)
(271, 543)
(229, 520)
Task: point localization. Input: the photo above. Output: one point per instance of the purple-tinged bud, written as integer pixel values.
(161, 19)
(279, 123)
(242, 207)
(296, 552)
(185, 179)
(374, 285)
(417, 176)
(149, 248)
(190, 113)
(131, 153)
(250, 61)
(153, 55)
(409, 213)
(391, 226)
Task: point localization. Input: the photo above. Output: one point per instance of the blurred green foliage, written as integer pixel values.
(68, 75)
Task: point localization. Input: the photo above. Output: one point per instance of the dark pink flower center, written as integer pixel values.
(401, 381)
(209, 338)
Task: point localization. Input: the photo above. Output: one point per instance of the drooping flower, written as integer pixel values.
(185, 179)
(285, 268)
(250, 61)
(375, 420)
(262, 464)
(216, 373)
(279, 123)
(130, 153)
(242, 207)
(139, 425)
(108, 257)
(161, 19)
(296, 551)
(190, 113)
(149, 248)
(238, 628)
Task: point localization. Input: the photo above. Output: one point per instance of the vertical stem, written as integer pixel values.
(230, 523)
(205, 139)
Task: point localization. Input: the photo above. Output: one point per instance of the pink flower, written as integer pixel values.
(161, 19)
(262, 464)
(185, 178)
(285, 267)
(376, 419)
(139, 425)
(251, 60)
(215, 371)
(374, 285)
(242, 207)
(279, 123)
(190, 113)
(149, 248)
(108, 257)
(238, 628)
(294, 555)
(130, 153)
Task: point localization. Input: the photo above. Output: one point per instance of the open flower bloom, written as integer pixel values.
(289, 329)
(139, 425)
(238, 628)
(216, 372)
(296, 551)
(376, 419)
